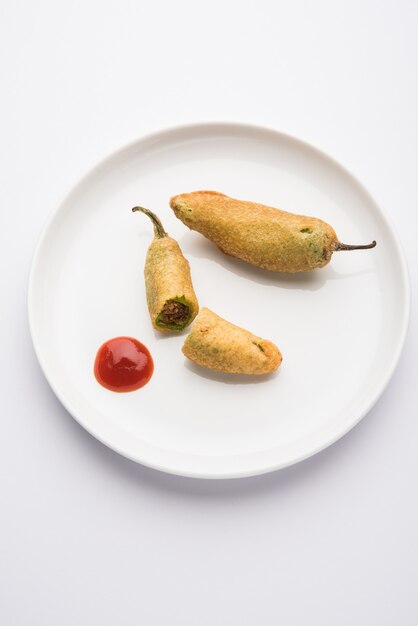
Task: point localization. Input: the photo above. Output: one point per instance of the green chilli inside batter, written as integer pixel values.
(175, 314)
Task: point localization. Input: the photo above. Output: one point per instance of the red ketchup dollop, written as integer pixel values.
(123, 364)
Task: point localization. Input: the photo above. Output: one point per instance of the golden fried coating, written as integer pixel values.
(269, 238)
(171, 299)
(219, 345)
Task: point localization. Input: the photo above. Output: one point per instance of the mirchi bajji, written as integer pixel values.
(219, 345)
(171, 299)
(269, 238)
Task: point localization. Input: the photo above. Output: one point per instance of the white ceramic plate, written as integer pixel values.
(340, 329)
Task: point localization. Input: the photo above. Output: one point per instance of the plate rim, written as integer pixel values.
(218, 126)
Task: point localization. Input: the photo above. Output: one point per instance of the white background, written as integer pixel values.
(88, 537)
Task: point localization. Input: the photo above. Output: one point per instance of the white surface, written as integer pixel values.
(341, 329)
(89, 537)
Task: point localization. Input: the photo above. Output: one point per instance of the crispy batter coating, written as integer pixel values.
(219, 345)
(171, 299)
(261, 235)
